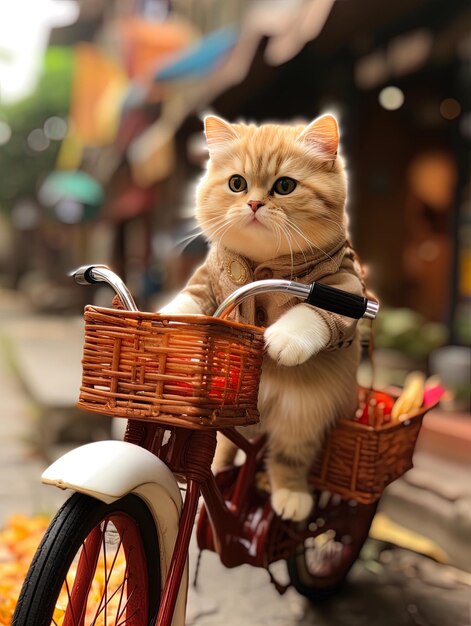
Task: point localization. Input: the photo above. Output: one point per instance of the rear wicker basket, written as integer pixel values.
(192, 371)
(359, 461)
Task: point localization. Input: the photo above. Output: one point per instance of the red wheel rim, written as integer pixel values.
(107, 583)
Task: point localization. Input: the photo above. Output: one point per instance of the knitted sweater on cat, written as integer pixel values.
(224, 271)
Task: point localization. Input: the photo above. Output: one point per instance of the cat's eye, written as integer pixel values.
(284, 186)
(237, 183)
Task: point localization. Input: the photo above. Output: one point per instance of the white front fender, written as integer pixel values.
(108, 470)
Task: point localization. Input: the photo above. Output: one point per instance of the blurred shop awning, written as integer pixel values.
(200, 58)
(78, 186)
(146, 42)
(71, 197)
(174, 65)
(98, 83)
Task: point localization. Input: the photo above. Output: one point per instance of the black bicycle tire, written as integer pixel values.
(71, 525)
(318, 589)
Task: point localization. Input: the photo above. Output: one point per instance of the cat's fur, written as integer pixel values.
(309, 373)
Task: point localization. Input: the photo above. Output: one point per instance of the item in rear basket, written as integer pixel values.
(358, 460)
(375, 410)
(412, 396)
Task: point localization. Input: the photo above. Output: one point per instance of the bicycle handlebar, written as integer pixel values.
(316, 294)
(91, 274)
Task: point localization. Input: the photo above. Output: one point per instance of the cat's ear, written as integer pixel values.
(322, 137)
(218, 132)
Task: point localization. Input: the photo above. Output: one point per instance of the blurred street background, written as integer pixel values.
(101, 146)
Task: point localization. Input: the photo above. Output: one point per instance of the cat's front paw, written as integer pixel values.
(298, 335)
(181, 304)
(292, 505)
(286, 348)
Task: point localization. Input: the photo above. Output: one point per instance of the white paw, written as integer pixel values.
(292, 505)
(181, 304)
(298, 335)
(285, 348)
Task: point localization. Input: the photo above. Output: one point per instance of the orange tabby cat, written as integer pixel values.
(272, 203)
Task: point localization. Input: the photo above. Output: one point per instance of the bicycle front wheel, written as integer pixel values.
(98, 565)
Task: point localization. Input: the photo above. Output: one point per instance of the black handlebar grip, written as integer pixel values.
(342, 302)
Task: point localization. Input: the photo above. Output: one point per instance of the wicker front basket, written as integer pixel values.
(359, 461)
(193, 371)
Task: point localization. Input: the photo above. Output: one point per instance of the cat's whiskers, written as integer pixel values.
(287, 235)
(275, 228)
(222, 228)
(182, 243)
(216, 218)
(300, 247)
(339, 225)
(310, 243)
(208, 220)
(221, 236)
(277, 231)
(298, 232)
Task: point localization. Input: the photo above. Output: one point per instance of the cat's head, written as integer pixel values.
(272, 190)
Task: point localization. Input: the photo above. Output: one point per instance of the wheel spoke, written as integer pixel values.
(127, 617)
(118, 588)
(108, 574)
(95, 567)
(125, 606)
(77, 598)
(70, 603)
(106, 597)
(105, 600)
(125, 580)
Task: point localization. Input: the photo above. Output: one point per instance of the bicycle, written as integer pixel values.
(116, 552)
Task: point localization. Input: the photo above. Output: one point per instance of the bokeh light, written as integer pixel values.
(391, 98)
(69, 211)
(26, 215)
(55, 128)
(450, 108)
(37, 140)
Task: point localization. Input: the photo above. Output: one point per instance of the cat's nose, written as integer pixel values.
(255, 205)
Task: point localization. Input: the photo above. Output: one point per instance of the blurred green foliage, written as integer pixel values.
(22, 168)
(408, 332)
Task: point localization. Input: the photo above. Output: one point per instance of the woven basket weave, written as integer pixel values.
(192, 371)
(200, 372)
(359, 461)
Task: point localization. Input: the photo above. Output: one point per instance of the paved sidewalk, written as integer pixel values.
(389, 586)
(398, 588)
